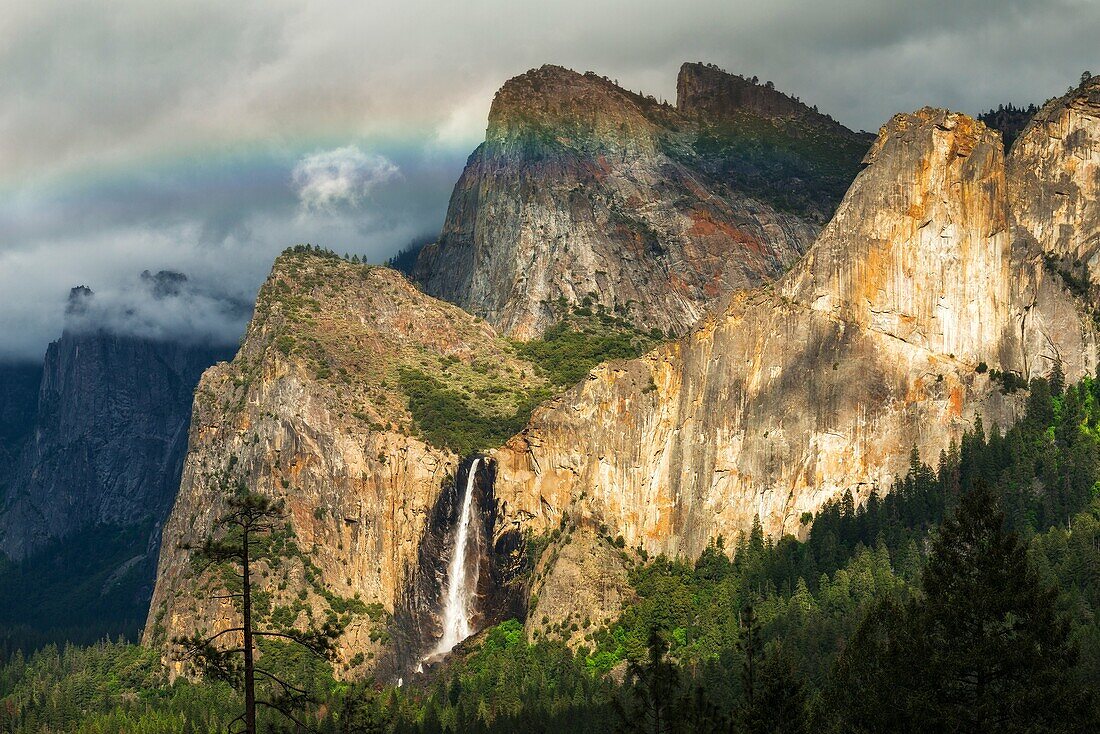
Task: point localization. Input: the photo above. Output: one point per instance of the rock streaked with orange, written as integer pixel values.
(584, 191)
(788, 396)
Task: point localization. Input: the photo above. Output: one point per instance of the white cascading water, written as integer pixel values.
(461, 585)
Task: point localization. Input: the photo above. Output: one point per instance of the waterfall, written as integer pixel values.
(461, 585)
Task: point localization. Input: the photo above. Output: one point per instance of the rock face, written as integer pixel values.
(920, 249)
(108, 438)
(92, 443)
(707, 90)
(935, 267)
(18, 403)
(1054, 174)
(789, 395)
(580, 583)
(584, 192)
(766, 144)
(314, 409)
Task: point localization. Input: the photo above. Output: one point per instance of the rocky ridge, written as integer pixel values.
(315, 409)
(585, 193)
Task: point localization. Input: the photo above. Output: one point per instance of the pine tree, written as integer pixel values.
(1057, 378)
(654, 684)
(982, 649)
(750, 647)
(236, 542)
(867, 691)
(779, 703)
(995, 652)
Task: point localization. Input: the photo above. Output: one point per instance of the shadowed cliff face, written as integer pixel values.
(789, 395)
(18, 404)
(584, 190)
(108, 440)
(501, 592)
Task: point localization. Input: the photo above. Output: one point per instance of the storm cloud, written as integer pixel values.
(204, 137)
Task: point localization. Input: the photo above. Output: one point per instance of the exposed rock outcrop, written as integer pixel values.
(706, 90)
(1054, 177)
(789, 395)
(580, 583)
(314, 410)
(584, 192)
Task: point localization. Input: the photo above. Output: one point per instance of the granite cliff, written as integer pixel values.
(105, 439)
(1054, 174)
(91, 448)
(349, 397)
(108, 440)
(878, 341)
(584, 192)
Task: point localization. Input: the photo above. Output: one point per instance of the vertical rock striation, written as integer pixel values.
(314, 409)
(108, 440)
(585, 192)
(1054, 173)
(789, 395)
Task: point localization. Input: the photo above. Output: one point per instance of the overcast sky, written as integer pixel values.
(205, 136)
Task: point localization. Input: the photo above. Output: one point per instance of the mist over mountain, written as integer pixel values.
(161, 306)
(93, 444)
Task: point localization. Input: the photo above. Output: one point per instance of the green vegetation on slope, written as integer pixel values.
(450, 417)
(469, 407)
(386, 356)
(583, 339)
(1010, 120)
(507, 684)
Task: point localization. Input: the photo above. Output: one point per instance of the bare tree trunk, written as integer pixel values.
(249, 669)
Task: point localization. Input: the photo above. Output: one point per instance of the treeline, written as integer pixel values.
(1010, 120)
(80, 590)
(404, 260)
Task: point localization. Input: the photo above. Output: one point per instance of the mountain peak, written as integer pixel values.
(704, 90)
(880, 261)
(1084, 97)
(559, 105)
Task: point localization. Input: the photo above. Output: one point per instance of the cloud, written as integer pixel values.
(344, 176)
(204, 136)
(160, 306)
(221, 223)
(466, 122)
